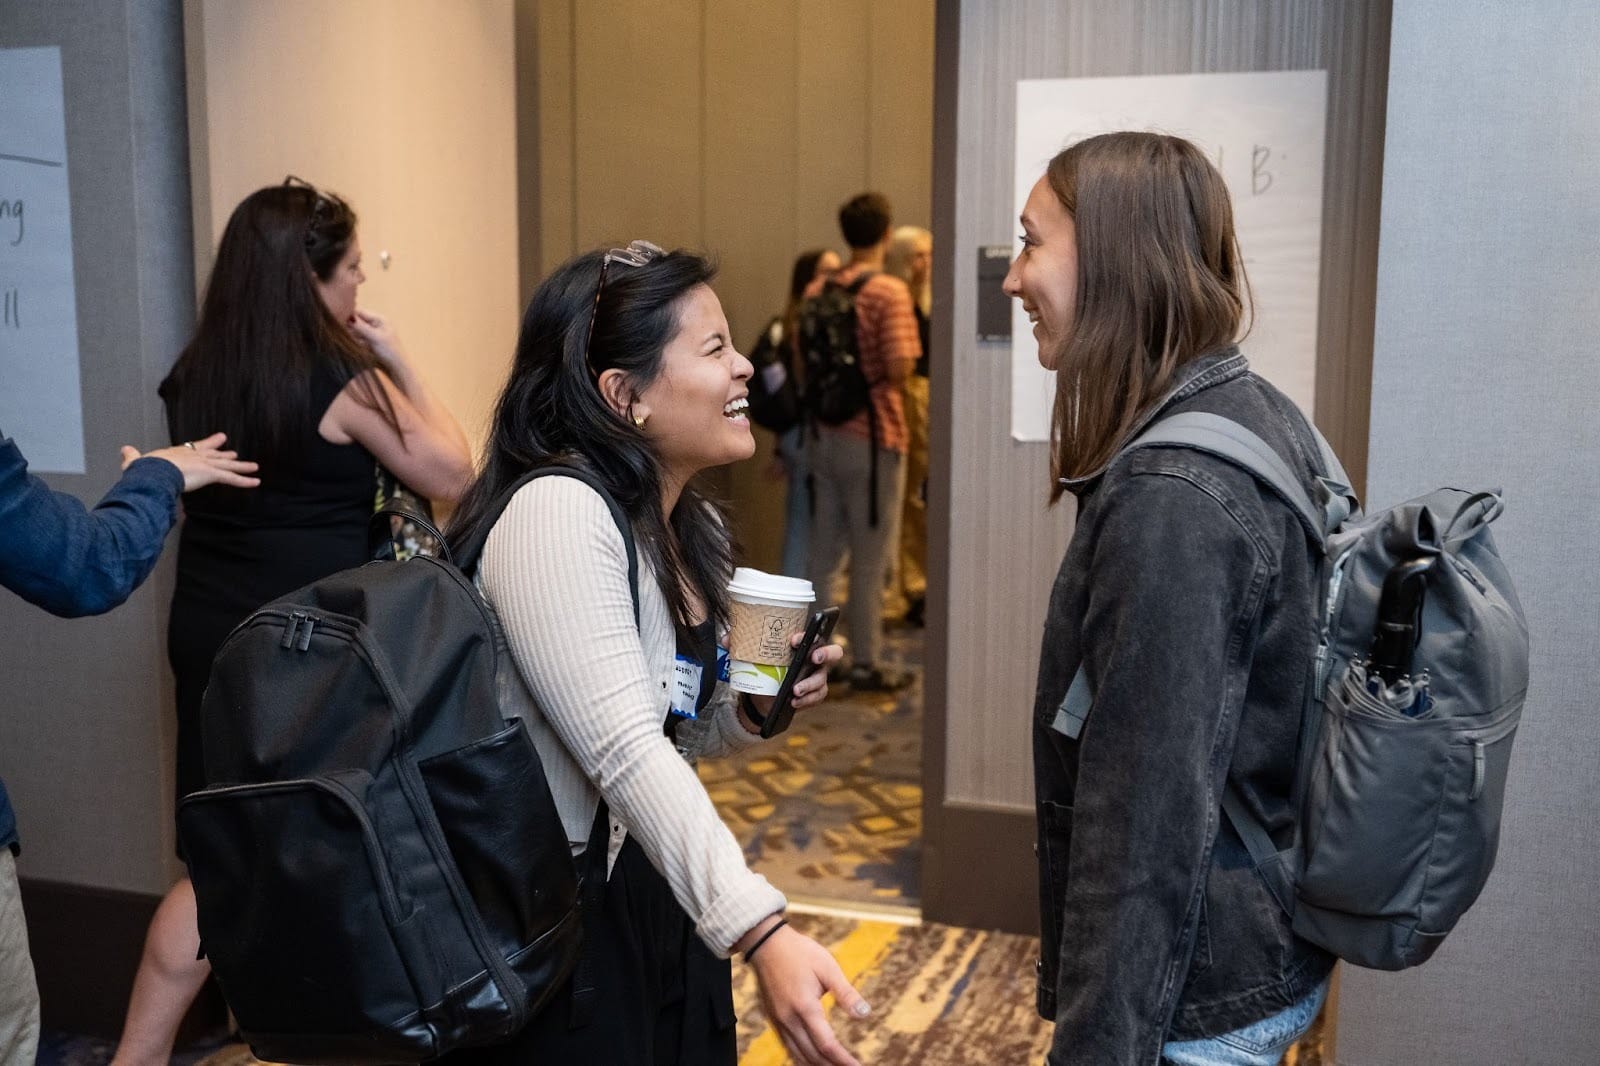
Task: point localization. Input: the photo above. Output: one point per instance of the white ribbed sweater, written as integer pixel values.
(592, 690)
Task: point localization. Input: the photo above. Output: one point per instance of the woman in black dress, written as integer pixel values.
(317, 392)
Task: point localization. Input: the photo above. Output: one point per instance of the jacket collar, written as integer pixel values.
(1193, 377)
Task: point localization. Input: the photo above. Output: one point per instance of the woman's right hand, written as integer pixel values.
(378, 335)
(794, 973)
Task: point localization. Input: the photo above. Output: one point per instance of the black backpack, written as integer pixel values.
(775, 409)
(381, 872)
(836, 387)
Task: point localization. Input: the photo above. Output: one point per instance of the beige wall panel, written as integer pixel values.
(361, 107)
(449, 205)
(832, 38)
(637, 80)
(267, 110)
(751, 155)
(900, 118)
(1004, 547)
(558, 121)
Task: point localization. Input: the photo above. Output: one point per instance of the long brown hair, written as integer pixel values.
(263, 327)
(1160, 283)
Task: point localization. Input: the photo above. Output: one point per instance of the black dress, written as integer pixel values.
(241, 548)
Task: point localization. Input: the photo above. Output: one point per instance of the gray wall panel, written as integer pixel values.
(1004, 547)
(84, 719)
(1488, 306)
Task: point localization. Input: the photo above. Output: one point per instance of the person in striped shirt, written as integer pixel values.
(842, 457)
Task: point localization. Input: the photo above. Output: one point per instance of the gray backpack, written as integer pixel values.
(1420, 676)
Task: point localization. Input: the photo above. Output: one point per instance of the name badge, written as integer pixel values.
(722, 664)
(685, 686)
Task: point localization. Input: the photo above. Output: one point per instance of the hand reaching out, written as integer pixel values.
(794, 972)
(201, 462)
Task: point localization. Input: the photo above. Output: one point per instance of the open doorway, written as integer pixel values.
(741, 129)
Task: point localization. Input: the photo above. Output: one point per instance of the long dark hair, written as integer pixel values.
(805, 268)
(263, 327)
(551, 411)
(1160, 282)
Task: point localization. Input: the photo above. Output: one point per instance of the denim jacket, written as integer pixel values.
(72, 561)
(1186, 599)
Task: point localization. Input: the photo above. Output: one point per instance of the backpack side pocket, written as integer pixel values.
(322, 947)
(505, 836)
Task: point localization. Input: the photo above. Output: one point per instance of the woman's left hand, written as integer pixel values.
(814, 689)
(811, 690)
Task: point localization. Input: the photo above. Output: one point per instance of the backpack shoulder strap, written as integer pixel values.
(467, 557)
(591, 889)
(1227, 439)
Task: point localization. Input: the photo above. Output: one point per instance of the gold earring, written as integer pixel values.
(639, 421)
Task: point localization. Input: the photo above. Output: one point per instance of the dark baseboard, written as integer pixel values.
(981, 873)
(86, 944)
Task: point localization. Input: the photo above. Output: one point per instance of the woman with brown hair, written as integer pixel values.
(318, 392)
(1178, 638)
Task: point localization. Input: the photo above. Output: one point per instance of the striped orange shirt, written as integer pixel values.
(886, 331)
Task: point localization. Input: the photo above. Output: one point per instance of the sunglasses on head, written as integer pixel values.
(636, 254)
(321, 206)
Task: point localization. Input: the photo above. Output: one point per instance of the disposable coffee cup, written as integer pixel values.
(764, 610)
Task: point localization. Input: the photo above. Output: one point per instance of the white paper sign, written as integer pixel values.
(1265, 132)
(40, 403)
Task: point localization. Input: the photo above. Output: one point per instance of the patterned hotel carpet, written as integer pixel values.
(832, 809)
(940, 996)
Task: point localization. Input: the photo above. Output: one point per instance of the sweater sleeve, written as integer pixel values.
(555, 568)
(72, 561)
(717, 733)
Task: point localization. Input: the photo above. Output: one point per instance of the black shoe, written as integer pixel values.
(916, 613)
(879, 678)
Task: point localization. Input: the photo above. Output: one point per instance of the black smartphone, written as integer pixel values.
(818, 632)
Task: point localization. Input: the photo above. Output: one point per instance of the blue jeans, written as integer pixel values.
(797, 509)
(1260, 1044)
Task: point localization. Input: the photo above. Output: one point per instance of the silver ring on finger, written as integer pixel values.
(190, 445)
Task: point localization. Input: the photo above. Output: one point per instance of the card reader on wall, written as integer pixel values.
(994, 306)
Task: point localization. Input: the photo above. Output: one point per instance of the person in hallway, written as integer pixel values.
(856, 466)
(1178, 641)
(625, 368)
(318, 392)
(777, 382)
(75, 562)
(910, 258)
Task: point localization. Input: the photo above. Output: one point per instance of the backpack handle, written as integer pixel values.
(398, 507)
(1475, 512)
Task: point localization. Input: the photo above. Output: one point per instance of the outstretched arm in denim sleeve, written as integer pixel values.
(1175, 592)
(72, 561)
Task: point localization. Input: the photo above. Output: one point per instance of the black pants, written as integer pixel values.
(662, 997)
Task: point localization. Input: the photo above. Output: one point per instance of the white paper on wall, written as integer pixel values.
(1265, 132)
(40, 403)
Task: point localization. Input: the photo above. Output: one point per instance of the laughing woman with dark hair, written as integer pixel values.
(625, 369)
(317, 392)
(1179, 639)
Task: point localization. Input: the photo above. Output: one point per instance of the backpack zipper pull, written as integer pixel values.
(305, 634)
(295, 618)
